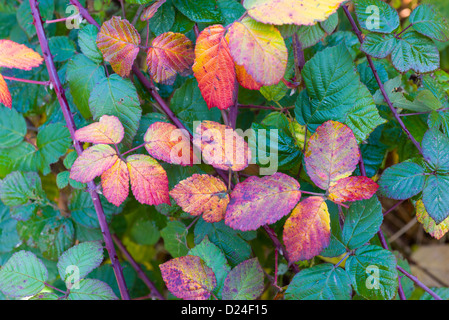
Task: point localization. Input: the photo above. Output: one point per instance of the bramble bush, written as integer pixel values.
(221, 150)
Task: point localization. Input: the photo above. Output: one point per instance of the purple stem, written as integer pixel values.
(54, 78)
(401, 290)
(43, 83)
(393, 207)
(379, 82)
(138, 269)
(272, 234)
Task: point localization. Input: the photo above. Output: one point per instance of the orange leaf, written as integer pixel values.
(5, 95)
(107, 130)
(149, 181)
(352, 189)
(115, 183)
(170, 53)
(307, 230)
(245, 80)
(202, 194)
(299, 12)
(221, 146)
(214, 68)
(150, 11)
(164, 141)
(259, 201)
(15, 55)
(119, 41)
(93, 162)
(260, 49)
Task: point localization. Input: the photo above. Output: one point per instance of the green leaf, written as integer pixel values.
(145, 232)
(8, 230)
(25, 19)
(214, 259)
(92, 289)
(373, 273)
(83, 75)
(427, 21)
(174, 235)
(244, 282)
(18, 188)
(52, 143)
(362, 222)
(87, 37)
(231, 242)
(61, 48)
(442, 292)
(402, 181)
(21, 157)
(376, 16)
(163, 19)
(231, 10)
(80, 260)
(321, 282)
(199, 10)
(415, 51)
(188, 105)
(57, 236)
(435, 147)
(436, 198)
(330, 24)
(23, 275)
(13, 128)
(115, 96)
(309, 36)
(379, 45)
(62, 179)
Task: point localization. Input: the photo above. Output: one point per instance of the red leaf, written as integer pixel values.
(164, 141)
(115, 183)
(352, 189)
(259, 201)
(149, 181)
(5, 95)
(119, 41)
(170, 53)
(14, 55)
(214, 68)
(150, 11)
(93, 162)
(307, 230)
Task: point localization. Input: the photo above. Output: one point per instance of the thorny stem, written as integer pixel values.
(140, 272)
(379, 82)
(272, 234)
(54, 78)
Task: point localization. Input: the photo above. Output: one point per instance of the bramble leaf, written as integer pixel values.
(376, 16)
(150, 11)
(402, 181)
(260, 49)
(430, 226)
(307, 230)
(170, 53)
(23, 275)
(332, 154)
(321, 282)
(221, 146)
(352, 189)
(93, 162)
(299, 12)
(5, 95)
(202, 194)
(188, 278)
(92, 289)
(13, 127)
(149, 181)
(115, 182)
(108, 130)
(259, 201)
(436, 198)
(164, 141)
(214, 68)
(244, 282)
(435, 147)
(119, 41)
(427, 21)
(19, 56)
